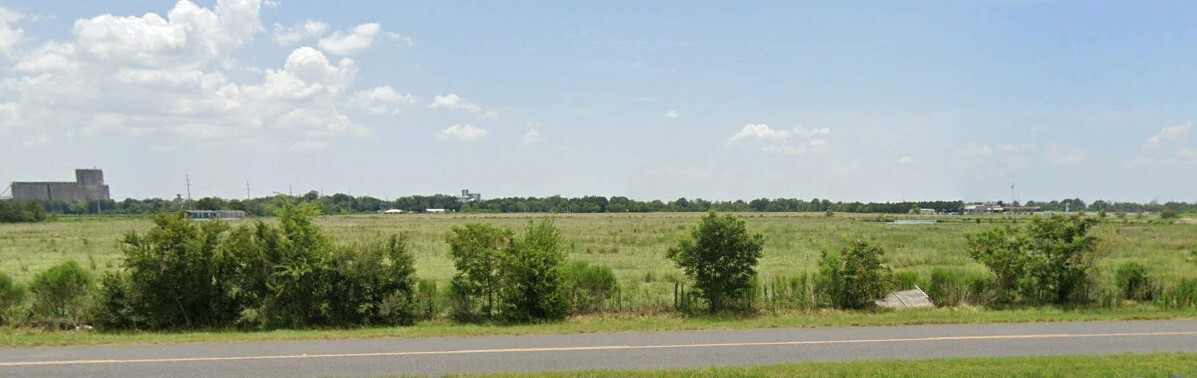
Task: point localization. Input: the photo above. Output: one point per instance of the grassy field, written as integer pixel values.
(1123, 365)
(633, 245)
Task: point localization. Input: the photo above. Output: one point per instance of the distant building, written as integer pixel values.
(995, 208)
(928, 212)
(207, 215)
(393, 211)
(435, 211)
(466, 196)
(88, 186)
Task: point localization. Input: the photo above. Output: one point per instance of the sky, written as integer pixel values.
(848, 101)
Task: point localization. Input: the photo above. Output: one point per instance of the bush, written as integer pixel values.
(906, 280)
(855, 278)
(25, 211)
(1181, 296)
(589, 286)
(1133, 283)
(533, 286)
(720, 256)
(428, 299)
(1049, 260)
(60, 295)
(183, 275)
(11, 295)
(949, 287)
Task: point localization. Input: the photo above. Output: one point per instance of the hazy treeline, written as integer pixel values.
(346, 204)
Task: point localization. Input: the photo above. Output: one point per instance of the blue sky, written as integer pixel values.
(848, 101)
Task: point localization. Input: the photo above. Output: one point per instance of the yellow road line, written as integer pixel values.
(591, 348)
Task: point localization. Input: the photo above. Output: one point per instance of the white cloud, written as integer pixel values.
(287, 36)
(531, 137)
(974, 149)
(10, 35)
(453, 101)
(380, 100)
(1170, 133)
(907, 160)
(1188, 154)
(403, 40)
(780, 141)
(802, 131)
(759, 131)
(1057, 153)
(671, 114)
(177, 78)
(464, 133)
(360, 38)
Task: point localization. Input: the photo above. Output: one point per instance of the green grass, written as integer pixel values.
(634, 246)
(1122, 365)
(606, 323)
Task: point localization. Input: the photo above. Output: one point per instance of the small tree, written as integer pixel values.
(855, 278)
(1046, 261)
(478, 251)
(720, 256)
(534, 286)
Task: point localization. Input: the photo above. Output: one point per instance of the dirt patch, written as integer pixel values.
(1187, 221)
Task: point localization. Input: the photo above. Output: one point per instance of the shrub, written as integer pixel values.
(1133, 283)
(428, 299)
(60, 295)
(854, 278)
(950, 287)
(906, 280)
(589, 286)
(170, 270)
(533, 286)
(11, 295)
(1180, 296)
(1046, 261)
(720, 256)
(115, 306)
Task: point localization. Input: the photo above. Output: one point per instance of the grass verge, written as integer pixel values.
(1122, 365)
(610, 323)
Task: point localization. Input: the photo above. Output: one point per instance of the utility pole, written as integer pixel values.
(189, 192)
(247, 197)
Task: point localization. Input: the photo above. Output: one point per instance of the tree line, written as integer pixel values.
(346, 204)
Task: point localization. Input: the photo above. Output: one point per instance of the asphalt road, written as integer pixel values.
(664, 350)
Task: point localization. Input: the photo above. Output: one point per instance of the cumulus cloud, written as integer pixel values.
(10, 34)
(453, 101)
(1057, 153)
(173, 76)
(463, 133)
(1170, 133)
(380, 100)
(287, 36)
(353, 42)
(531, 137)
(760, 132)
(671, 114)
(907, 160)
(781, 141)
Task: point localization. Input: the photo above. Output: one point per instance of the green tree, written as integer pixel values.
(534, 287)
(854, 278)
(478, 251)
(720, 256)
(60, 295)
(1046, 261)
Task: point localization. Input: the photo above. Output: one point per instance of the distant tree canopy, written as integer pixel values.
(21, 211)
(341, 203)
